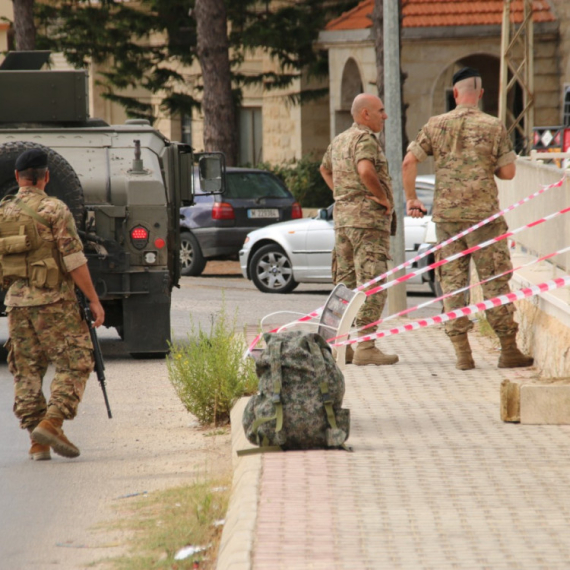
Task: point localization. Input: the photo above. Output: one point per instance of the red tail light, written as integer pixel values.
(139, 237)
(296, 211)
(223, 211)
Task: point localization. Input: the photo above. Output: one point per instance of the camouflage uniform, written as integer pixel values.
(362, 229)
(468, 146)
(44, 323)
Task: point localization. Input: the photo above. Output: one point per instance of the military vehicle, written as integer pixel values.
(123, 183)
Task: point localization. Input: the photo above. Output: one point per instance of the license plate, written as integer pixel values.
(263, 213)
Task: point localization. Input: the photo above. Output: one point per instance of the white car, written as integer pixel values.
(280, 256)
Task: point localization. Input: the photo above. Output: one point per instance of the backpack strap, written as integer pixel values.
(31, 212)
(321, 372)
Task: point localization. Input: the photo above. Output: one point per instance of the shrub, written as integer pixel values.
(304, 180)
(209, 372)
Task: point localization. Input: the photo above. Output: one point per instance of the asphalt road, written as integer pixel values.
(48, 509)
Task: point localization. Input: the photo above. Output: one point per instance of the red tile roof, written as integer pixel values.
(435, 13)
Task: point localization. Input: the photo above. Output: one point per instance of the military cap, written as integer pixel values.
(465, 73)
(33, 158)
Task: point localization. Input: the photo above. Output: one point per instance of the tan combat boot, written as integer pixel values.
(367, 353)
(38, 452)
(348, 355)
(462, 352)
(49, 432)
(511, 356)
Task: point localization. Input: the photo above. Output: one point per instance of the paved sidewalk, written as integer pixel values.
(436, 480)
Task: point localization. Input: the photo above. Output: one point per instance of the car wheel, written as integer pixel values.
(271, 270)
(192, 261)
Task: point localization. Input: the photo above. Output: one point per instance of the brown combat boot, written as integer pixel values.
(366, 353)
(511, 356)
(38, 452)
(49, 433)
(462, 352)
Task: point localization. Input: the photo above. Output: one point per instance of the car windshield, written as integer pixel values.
(251, 185)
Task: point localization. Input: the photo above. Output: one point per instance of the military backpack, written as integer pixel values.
(300, 395)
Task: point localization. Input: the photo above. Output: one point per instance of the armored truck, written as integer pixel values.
(124, 184)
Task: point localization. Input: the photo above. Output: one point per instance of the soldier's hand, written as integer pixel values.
(97, 312)
(415, 209)
(383, 202)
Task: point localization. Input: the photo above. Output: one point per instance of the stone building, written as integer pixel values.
(438, 38)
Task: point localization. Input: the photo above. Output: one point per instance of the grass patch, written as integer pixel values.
(483, 327)
(208, 371)
(167, 521)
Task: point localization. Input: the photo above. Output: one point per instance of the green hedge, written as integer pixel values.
(304, 180)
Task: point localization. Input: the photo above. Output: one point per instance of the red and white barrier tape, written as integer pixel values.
(447, 295)
(316, 313)
(463, 253)
(468, 310)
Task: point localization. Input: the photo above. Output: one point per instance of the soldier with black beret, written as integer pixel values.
(469, 149)
(42, 260)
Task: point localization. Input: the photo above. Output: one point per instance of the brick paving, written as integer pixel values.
(436, 480)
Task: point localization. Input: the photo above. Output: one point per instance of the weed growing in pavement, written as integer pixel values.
(165, 524)
(208, 371)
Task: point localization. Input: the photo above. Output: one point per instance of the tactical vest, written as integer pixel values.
(23, 252)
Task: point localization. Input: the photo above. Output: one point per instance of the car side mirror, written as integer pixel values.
(212, 169)
(322, 214)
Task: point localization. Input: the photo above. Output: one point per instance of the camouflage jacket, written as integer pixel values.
(353, 206)
(61, 230)
(468, 146)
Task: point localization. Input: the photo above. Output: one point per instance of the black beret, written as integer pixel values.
(33, 158)
(465, 73)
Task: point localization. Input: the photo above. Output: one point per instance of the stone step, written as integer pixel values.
(536, 401)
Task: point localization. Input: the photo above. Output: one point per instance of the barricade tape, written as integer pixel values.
(316, 313)
(447, 295)
(463, 253)
(468, 310)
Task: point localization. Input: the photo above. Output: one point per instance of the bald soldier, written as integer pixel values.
(469, 148)
(42, 261)
(355, 169)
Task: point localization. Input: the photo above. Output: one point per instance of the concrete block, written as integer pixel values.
(536, 401)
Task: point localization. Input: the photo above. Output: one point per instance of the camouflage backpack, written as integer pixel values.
(300, 395)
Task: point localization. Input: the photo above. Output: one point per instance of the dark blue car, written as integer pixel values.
(216, 225)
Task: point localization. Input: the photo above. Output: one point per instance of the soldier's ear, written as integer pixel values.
(47, 176)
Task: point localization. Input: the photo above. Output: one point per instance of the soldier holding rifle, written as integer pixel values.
(42, 261)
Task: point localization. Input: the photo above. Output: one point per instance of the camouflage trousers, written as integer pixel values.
(41, 335)
(360, 255)
(489, 261)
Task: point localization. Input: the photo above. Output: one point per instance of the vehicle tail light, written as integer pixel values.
(159, 243)
(139, 237)
(296, 211)
(223, 211)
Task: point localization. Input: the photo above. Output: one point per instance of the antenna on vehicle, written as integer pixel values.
(137, 162)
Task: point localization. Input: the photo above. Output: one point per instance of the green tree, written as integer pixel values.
(116, 33)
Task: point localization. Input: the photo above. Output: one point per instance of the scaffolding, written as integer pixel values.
(517, 69)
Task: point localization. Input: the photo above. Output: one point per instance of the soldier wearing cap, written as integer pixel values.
(355, 169)
(469, 148)
(42, 260)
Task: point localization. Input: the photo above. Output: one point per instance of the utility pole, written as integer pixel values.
(517, 44)
(393, 103)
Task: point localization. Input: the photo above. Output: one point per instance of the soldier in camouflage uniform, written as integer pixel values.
(356, 170)
(469, 148)
(41, 265)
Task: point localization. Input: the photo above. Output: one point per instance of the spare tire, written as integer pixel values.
(63, 181)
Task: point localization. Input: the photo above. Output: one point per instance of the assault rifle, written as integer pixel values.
(99, 364)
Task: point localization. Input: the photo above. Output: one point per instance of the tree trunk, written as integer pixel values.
(220, 128)
(378, 27)
(24, 26)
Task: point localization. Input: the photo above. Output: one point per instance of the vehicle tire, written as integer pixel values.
(192, 262)
(271, 270)
(63, 181)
